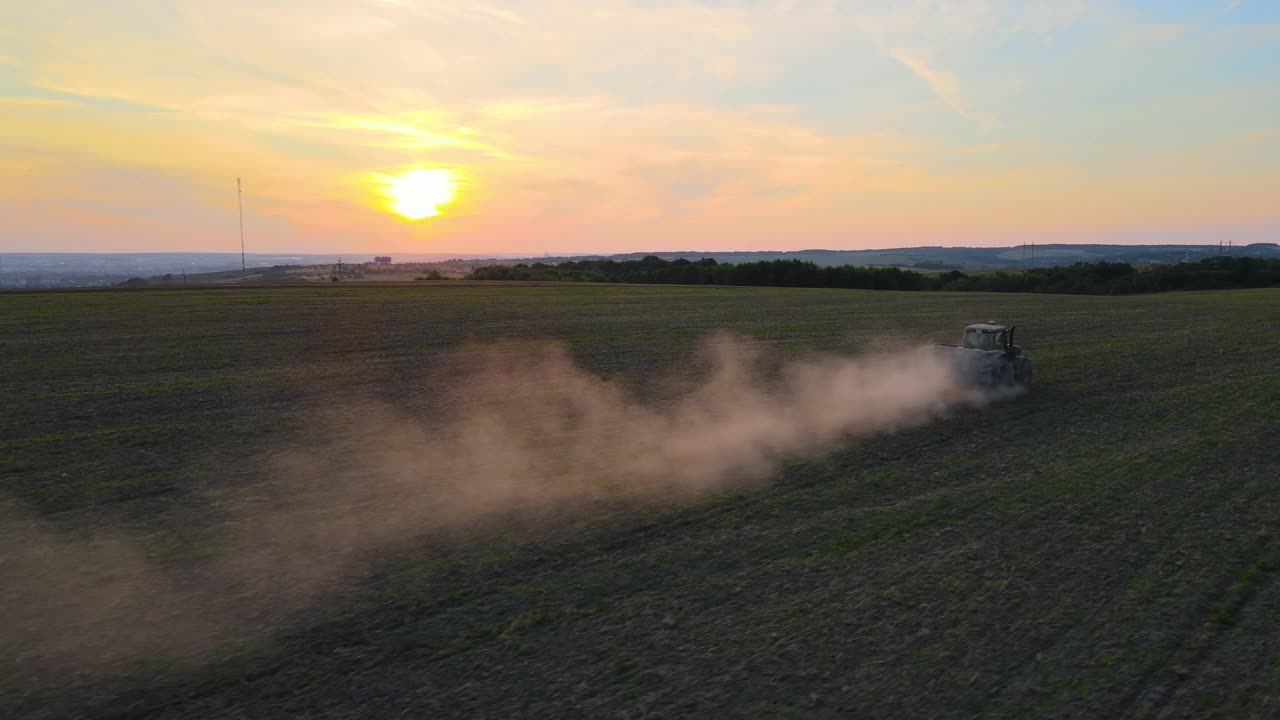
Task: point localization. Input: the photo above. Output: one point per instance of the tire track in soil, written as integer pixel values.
(1022, 672)
(1215, 617)
(1155, 688)
(1254, 677)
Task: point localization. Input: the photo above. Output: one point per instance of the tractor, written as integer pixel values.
(987, 356)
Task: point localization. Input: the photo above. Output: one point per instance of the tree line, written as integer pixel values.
(1100, 278)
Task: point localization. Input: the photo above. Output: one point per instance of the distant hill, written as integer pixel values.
(89, 269)
(958, 258)
(19, 270)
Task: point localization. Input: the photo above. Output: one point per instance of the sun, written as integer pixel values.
(420, 193)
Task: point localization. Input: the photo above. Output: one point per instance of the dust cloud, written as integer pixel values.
(521, 434)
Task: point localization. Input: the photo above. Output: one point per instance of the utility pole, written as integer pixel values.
(240, 205)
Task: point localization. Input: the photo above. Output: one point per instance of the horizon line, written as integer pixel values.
(496, 253)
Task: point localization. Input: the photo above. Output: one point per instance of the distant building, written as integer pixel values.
(383, 259)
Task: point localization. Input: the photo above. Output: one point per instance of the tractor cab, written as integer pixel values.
(988, 357)
(990, 338)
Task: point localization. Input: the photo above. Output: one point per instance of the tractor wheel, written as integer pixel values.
(1025, 372)
(1006, 376)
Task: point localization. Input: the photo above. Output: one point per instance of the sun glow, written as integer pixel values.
(420, 193)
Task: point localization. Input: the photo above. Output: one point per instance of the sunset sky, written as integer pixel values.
(603, 126)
